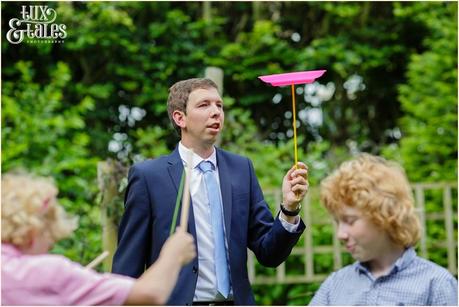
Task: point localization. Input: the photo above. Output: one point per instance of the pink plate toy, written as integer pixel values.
(293, 78)
(290, 78)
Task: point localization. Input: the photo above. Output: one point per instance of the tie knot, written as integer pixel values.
(206, 166)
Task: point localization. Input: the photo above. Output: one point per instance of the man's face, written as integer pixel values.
(361, 237)
(204, 118)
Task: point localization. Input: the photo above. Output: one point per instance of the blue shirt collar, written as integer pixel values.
(401, 263)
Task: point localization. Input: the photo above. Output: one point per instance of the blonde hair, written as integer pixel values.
(380, 190)
(29, 204)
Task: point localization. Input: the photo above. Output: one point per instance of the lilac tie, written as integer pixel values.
(213, 194)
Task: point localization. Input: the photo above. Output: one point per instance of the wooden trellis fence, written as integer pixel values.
(314, 258)
(305, 255)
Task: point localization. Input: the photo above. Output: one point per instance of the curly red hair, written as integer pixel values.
(378, 188)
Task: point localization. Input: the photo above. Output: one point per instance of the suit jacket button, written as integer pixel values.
(195, 269)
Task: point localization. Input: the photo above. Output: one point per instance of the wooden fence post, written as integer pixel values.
(111, 176)
(216, 74)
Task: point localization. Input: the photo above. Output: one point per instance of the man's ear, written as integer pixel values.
(179, 118)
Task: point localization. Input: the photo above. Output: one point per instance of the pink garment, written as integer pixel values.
(55, 280)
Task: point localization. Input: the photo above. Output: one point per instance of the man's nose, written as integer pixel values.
(215, 110)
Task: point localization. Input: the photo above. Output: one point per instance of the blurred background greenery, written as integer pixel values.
(390, 89)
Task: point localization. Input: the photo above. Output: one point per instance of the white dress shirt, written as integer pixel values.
(206, 286)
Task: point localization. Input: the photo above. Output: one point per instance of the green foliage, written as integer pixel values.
(429, 98)
(428, 148)
(61, 102)
(43, 133)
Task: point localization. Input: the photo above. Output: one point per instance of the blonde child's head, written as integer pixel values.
(30, 208)
(380, 190)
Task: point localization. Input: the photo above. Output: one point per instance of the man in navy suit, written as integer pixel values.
(228, 213)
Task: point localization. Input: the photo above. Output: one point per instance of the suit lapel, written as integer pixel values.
(175, 170)
(225, 187)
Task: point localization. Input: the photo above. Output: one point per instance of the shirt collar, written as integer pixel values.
(407, 257)
(183, 151)
(401, 263)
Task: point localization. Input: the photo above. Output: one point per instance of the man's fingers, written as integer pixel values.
(301, 171)
(300, 188)
(290, 172)
(298, 180)
(301, 165)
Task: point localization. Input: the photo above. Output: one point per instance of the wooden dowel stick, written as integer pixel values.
(97, 260)
(295, 144)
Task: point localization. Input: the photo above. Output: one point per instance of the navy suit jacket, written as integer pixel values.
(149, 206)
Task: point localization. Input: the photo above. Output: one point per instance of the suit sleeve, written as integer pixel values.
(267, 238)
(134, 229)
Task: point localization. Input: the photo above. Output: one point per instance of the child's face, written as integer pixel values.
(362, 238)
